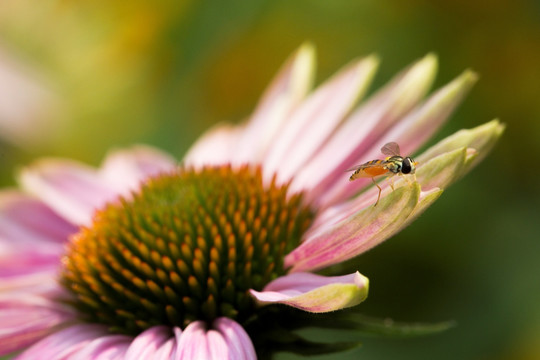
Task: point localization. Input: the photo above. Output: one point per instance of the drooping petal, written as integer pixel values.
(357, 233)
(239, 344)
(315, 293)
(125, 169)
(149, 343)
(364, 127)
(25, 319)
(411, 132)
(317, 117)
(72, 189)
(285, 92)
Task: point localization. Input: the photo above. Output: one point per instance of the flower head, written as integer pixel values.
(208, 259)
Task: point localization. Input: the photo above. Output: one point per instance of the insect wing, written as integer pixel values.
(354, 168)
(390, 149)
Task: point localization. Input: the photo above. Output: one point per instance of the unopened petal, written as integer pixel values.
(125, 169)
(315, 293)
(72, 189)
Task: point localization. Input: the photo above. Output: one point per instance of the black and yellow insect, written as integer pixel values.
(392, 165)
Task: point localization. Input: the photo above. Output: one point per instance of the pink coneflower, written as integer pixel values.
(144, 258)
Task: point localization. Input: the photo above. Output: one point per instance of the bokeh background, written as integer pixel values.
(79, 77)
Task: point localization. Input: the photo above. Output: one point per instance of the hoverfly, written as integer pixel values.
(390, 166)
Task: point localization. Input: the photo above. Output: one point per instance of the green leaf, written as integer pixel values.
(390, 328)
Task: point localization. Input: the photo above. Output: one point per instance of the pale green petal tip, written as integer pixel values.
(423, 72)
(351, 294)
(468, 77)
(442, 170)
(430, 62)
(462, 84)
(453, 157)
(481, 138)
(367, 67)
(363, 290)
(371, 64)
(304, 68)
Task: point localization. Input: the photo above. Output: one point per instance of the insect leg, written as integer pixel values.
(379, 196)
(391, 180)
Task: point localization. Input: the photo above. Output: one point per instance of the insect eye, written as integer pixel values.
(406, 167)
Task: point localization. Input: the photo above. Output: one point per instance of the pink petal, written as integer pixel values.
(238, 342)
(217, 346)
(285, 92)
(125, 169)
(72, 189)
(193, 342)
(315, 293)
(366, 227)
(30, 271)
(316, 118)
(64, 343)
(216, 146)
(26, 222)
(147, 344)
(411, 132)
(107, 347)
(31, 243)
(26, 104)
(364, 127)
(25, 319)
(226, 340)
(167, 351)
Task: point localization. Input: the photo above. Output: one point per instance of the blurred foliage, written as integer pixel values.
(163, 72)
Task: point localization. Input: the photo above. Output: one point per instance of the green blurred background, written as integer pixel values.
(112, 73)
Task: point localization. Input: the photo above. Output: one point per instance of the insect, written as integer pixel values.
(390, 166)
